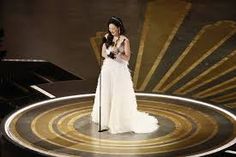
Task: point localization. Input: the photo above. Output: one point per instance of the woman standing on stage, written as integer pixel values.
(118, 101)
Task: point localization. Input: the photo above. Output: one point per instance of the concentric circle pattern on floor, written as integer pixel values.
(63, 127)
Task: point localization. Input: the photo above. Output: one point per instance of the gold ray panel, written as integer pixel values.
(204, 44)
(231, 105)
(226, 65)
(157, 34)
(227, 97)
(226, 85)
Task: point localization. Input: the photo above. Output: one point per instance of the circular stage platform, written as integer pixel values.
(63, 127)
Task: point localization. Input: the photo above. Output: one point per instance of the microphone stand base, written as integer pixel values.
(102, 130)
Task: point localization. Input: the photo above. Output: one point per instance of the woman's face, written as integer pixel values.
(113, 29)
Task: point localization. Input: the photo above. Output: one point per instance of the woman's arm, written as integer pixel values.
(104, 54)
(126, 54)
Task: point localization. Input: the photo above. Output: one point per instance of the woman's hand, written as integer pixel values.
(112, 55)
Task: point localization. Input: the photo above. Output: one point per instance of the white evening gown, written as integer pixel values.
(118, 101)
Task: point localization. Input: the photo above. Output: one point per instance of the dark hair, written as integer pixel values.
(118, 23)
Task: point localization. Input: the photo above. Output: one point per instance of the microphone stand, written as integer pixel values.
(100, 98)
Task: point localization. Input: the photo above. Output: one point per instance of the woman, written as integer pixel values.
(118, 102)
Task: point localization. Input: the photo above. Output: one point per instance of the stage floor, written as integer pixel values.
(63, 127)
